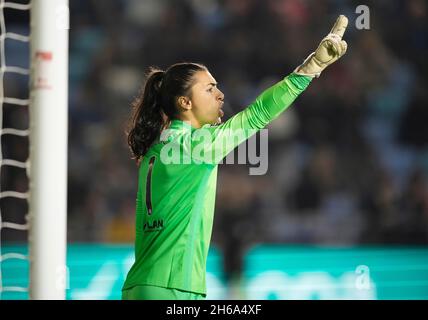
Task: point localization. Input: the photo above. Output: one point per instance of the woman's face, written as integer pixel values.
(206, 99)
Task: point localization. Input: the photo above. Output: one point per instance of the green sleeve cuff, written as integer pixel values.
(300, 82)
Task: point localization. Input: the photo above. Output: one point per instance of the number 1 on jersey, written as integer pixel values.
(149, 186)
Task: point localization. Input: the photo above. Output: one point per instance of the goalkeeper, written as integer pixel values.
(175, 200)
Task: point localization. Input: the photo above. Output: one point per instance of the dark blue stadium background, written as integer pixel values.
(348, 162)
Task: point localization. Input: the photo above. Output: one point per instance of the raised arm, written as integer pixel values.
(216, 142)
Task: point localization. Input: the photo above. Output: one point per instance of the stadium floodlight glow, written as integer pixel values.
(48, 148)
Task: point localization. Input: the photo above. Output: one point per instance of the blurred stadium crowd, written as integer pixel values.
(348, 162)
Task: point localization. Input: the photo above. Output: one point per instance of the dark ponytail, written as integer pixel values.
(156, 106)
(147, 119)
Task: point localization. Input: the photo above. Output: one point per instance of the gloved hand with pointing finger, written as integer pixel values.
(331, 48)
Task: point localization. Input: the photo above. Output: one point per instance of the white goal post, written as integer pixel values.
(48, 148)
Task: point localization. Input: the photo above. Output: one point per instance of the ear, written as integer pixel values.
(184, 103)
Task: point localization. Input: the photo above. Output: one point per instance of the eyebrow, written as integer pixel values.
(214, 84)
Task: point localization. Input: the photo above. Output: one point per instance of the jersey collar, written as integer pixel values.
(178, 124)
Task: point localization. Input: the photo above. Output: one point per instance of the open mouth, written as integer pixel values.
(221, 113)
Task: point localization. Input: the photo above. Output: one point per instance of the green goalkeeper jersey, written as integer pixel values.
(177, 190)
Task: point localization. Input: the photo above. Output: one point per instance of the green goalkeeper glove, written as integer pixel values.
(331, 48)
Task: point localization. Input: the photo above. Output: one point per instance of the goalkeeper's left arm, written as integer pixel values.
(331, 48)
(276, 99)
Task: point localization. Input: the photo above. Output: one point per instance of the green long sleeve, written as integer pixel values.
(213, 143)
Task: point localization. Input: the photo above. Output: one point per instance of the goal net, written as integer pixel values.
(33, 171)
